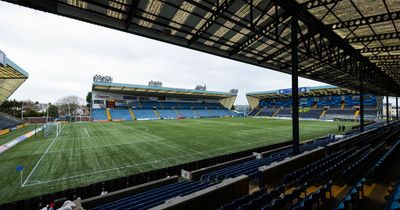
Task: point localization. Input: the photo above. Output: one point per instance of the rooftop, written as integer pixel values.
(143, 90)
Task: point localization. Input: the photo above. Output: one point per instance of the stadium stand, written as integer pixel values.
(309, 181)
(120, 114)
(307, 187)
(143, 114)
(167, 113)
(99, 114)
(7, 121)
(158, 105)
(324, 30)
(321, 102)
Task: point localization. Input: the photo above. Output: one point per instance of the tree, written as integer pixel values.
(53, 110)
(88, 99)
(11, 107)
(69, 104)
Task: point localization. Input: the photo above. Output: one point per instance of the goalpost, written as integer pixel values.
(52, 129)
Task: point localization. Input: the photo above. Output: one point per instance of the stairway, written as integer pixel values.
(108, 114)
(357, 113)
(132, 114)
(276, 113)
(323, 113)
(177, 113)
(197, 114)
(258, 112)
(158, 114)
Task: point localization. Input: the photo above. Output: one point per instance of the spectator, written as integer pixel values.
(343, 128)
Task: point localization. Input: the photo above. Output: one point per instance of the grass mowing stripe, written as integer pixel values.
(119, 149)
(107, 170)
(41, 158)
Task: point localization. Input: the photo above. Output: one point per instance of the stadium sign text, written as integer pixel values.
(289, 91)
(155, 83)
(99, 78)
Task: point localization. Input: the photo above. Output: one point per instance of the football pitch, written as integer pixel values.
(86, 153)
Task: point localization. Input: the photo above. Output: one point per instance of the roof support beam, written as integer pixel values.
(220, 9)
(318, 3)
(380, 49)
(313, 23)
(366, 20)
(374, 37)
(279, 18)
(385, 57)
(295, 86)
(131, 13)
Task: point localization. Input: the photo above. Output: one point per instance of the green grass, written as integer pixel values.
(85, 153)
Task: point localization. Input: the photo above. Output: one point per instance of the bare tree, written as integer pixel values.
(69, 105)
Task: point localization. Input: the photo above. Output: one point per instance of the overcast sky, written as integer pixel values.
(61, 56)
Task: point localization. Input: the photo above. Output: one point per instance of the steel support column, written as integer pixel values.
(361, 110)
(397, 108)
(387, 109)
(295, 86)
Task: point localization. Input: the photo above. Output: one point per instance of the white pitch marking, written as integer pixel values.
(41, 158)
(87, 133)
(129, 166)
(107, 170)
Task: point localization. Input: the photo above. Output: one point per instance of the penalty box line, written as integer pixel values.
(41, 158)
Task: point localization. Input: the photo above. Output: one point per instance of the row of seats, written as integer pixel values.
(7, 121)
(173, 105)
(337, 165)
(124, 114)
(99, 114)
(120, 114)
(250, 168)
(255, 200)
(318, 197)
(393, 202)
(157, 196)
(331, 113)
(355, 195)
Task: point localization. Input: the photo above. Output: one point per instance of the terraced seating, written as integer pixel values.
(249, 168)
(185, 105)
(204, 112)
(187, 113)
(351, 199)
(150, 104)
(311, 114)
(7, 121)
(214, 106)
(142, 114)
(393, 202)
(255, 200)
(99, 114)
(156, 196)
(169, 105)
(120, 114)
(167, 113)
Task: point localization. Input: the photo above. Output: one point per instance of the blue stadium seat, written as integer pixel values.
(99, 114)
(145, 114)
(7, 121)
(167, 113)
(120, 114)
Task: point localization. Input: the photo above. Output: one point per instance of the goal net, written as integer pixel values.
(52, 129)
